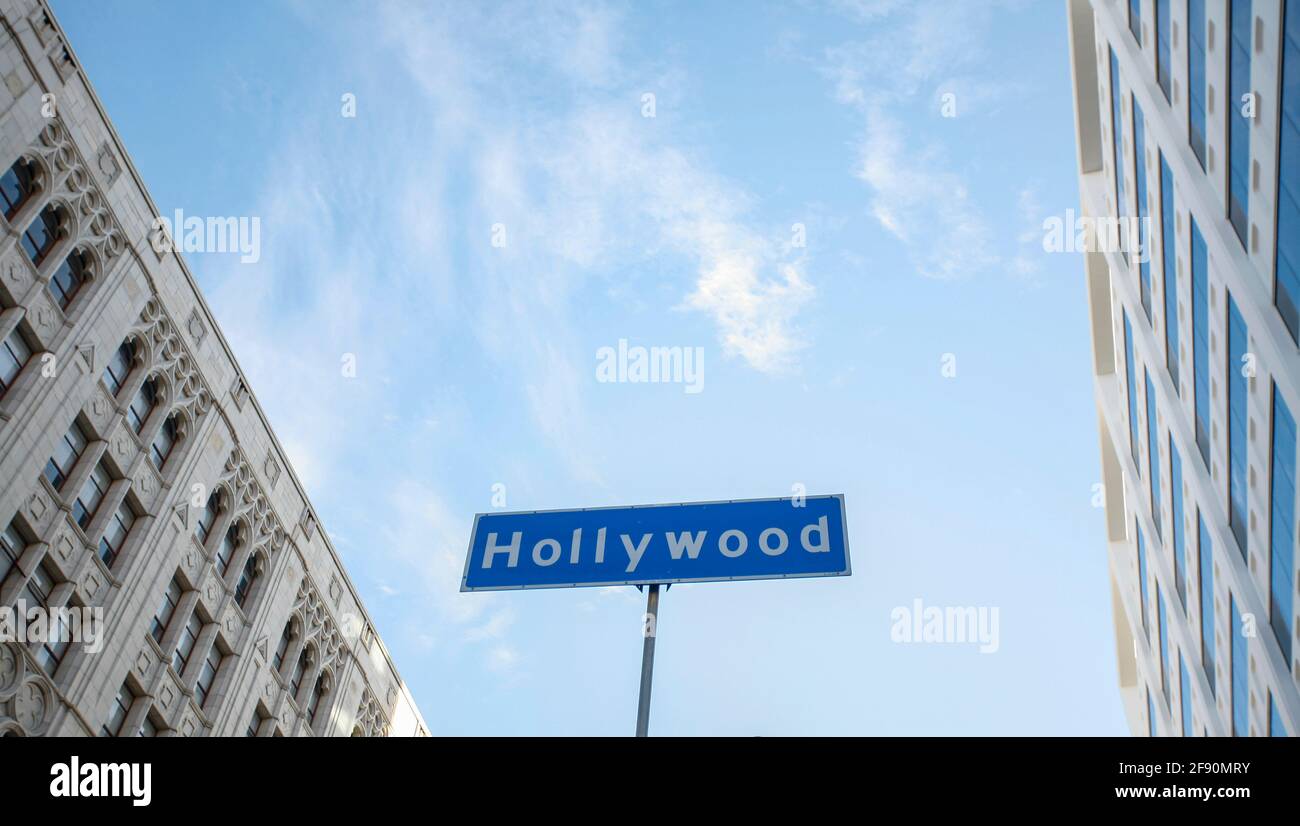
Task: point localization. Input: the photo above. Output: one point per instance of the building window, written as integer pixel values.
(1282, 524)
(185, 645)
(119, 527)
(282, 650)
(1117, 144)
(119, 367)
(1201, 342)
(1151, 714)
(1153, 453)
(163, 443)
(1276, 728)
(1142, 577)
(1196, 78)
(1185, 695)
(208, 674)
(1205, 551)
(1240, 676)
(1164, 644)
(1135, 19)
(203, 526)
(1169, 258)
(65, 456)
(318, 692)
(163, 616)
(117, 713)
(12, 546)
(1239, 18)
(149, 728)
(14, 353)
(92, 493)
(68, 279)
(1164, 50)
(57, 640)
(299, 671)
(1131, 383)
(246, 579)
(1180, 537)
(41, 235)
(1140, 181)
(1238, 342)
(17, 186)
(143, 403)
(255, 724)
(1287, 281)
(226, 551)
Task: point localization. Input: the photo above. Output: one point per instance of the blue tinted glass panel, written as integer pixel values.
(1201, 341)
(1240, 676)
(1276, 728)
(1185, 695)
(1180, 539)
(1164, 642)
(1142, 577)
(1196, 78)
(1164, 39)
(1282, 525)
(1205, 549)
(1153, 453)
(1238, 123)
(1144, 218)
(1131, 384)
(1151, 715)
(1237, 344)
(1135, 19)
(1169, 258)
(1287, 296)
(1117, 132)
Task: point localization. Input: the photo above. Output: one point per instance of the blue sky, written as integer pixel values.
(476, 364)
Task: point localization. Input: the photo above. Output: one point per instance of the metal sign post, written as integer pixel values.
(648, 661)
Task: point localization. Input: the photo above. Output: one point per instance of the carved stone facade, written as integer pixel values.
(225, 610)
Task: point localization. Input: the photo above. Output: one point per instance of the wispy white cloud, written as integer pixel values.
(910, 55)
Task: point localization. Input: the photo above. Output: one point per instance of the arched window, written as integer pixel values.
(41, 235)
(68, 279)
(246, 580)
(203, 526)
(282, 650)
(142, 405)
(226, 551)
(318, 693)
(299, 671)
(163, 442)
(14, 353)
(119, 367)
(17, 186)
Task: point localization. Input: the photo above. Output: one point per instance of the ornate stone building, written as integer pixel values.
(138, 475)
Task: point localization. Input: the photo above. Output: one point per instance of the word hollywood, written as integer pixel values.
(77, 779)
(215, 234)
(654, 365)
(731, 543)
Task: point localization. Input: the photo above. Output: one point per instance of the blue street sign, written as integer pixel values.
(644, 544)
